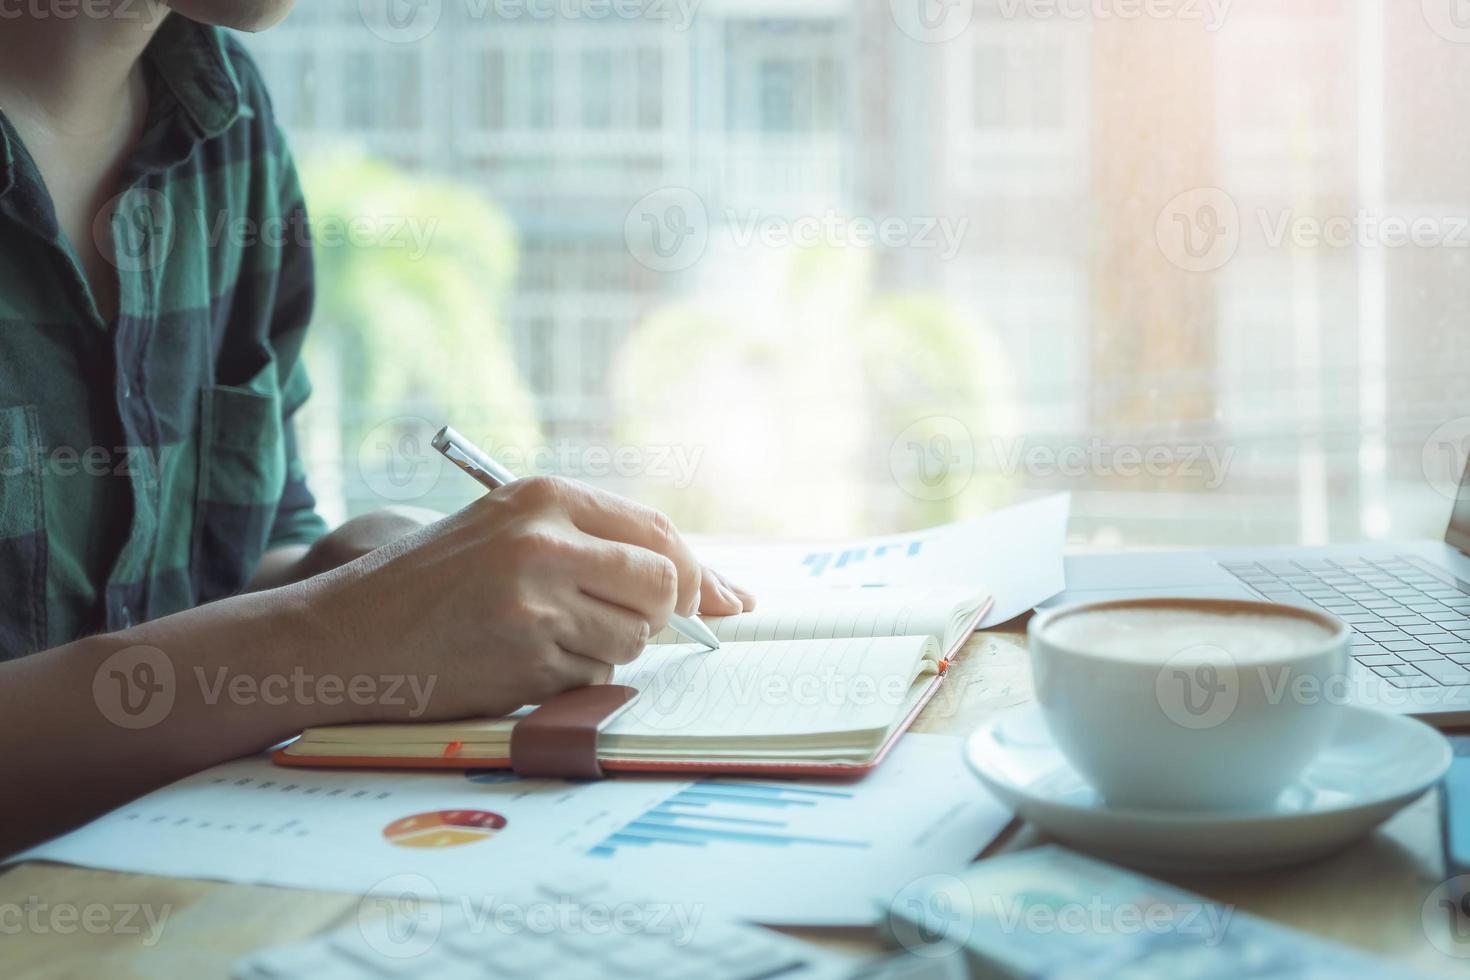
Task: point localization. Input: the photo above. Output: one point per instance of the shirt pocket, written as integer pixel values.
(242, 472)
(23, 546)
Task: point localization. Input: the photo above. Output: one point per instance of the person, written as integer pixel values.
(169, 598)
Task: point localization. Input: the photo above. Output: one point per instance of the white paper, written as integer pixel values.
(1015, 553)
(822, 857)
(818, 614)
(919, 813)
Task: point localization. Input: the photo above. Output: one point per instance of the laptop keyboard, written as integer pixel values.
(1410, 627)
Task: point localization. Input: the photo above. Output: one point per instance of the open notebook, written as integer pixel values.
(816, 680)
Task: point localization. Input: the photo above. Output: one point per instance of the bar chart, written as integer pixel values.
(732, 813)
(819, 563)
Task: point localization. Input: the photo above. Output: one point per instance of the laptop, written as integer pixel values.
(1408, 603)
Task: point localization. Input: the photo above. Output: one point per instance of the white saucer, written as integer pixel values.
(1377, 764)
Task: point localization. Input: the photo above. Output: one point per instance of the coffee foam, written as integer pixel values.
(1155, 634)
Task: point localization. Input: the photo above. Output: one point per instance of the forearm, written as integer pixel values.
(228, 678)
(353, 539)
(87, 726)
(540, 587)
(280, 566)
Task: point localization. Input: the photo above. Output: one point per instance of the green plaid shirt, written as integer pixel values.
(146, 464)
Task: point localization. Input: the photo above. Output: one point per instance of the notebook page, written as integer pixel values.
(821, 614)
(770, 689)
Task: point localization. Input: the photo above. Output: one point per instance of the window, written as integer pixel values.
(650, 67)
(491, 89)
(1205, 267)
(597, 89)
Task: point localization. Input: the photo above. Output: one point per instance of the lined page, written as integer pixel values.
(770, 689)
(822, 614)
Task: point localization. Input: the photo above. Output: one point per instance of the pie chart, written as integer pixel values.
(444, 828)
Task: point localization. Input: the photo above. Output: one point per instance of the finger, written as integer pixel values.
(606, 515)
(599, 631)
(572, 671)
(715, 597)
(742, 596)
(625, 575)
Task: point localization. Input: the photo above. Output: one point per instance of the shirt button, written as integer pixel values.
(127, 390)
(127, 616)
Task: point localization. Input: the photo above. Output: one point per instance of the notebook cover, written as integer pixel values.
(682, 767)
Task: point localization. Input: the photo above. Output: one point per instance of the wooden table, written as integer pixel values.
(1371, 896)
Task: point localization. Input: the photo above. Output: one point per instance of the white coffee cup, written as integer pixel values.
(1196, 704)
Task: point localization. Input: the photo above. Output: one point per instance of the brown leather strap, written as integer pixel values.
(559, 739)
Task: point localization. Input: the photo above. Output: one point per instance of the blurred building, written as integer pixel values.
(1058, 139)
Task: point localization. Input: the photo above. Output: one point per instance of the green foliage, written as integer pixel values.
(926, 369)
(412, 274)
(800, 397)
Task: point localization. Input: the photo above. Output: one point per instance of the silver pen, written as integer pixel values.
(478, 464)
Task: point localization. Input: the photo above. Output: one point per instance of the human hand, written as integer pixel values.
(539, 587)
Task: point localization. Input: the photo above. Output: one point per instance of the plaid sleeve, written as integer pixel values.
(296, 520)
